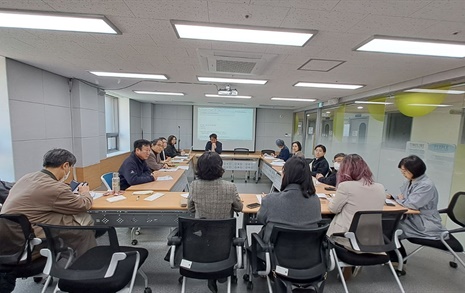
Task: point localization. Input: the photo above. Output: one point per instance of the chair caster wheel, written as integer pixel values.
(246, 277)
(401, 273)
(134, 242)
(148, 290)
(137, 232)
(180, 280)
(453, 264)
(37, 279)
(249, 285)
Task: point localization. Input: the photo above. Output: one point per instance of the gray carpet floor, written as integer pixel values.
(427, 271)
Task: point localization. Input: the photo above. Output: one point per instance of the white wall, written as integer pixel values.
(7, 168)
(174, 120)
(271, 125)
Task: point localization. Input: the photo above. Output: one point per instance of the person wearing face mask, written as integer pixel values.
(331, 178)
(44, 198)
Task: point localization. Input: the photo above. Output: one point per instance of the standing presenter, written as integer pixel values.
(214, 145)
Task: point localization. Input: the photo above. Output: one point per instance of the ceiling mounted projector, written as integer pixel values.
(227, 91)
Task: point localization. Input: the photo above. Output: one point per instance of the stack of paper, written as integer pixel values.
(142, 192)
(116, 198)
(168, 170)
(154, 196)
(183, 167)
(185, 195)
(164, 178)
(278, 163)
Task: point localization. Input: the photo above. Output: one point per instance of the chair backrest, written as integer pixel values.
(456, 209)
(243, 151)
(300, 249)
(309, 160)
(268, 152)
(207, 241)
(16, 235)
(68, 243)
(106, 180)
(375, 230)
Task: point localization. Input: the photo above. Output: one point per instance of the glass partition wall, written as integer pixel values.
(428, 123)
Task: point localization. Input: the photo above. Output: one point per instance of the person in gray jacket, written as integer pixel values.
(296, 205)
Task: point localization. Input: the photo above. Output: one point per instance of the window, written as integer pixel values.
(111, 123)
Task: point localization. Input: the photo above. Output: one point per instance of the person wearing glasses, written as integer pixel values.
(419, 193)
(154, 161)
(134, 169)
(331, 178)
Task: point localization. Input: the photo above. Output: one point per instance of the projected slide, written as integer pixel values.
(235, 127)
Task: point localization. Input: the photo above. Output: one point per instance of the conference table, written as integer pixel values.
(178, 183)
(272, 168)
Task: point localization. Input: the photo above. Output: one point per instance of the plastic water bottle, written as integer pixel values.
(115, 183)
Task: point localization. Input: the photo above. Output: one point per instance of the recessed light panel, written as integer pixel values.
(232, 80)
(293, 99)
(414, 47)
(159, 93)
(228, 97)
(129, 75)
(57, 21)
(242, 34)
(329, 85)
(436, 91)
(374, 103)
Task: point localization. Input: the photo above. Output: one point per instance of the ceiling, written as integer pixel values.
(148, 44)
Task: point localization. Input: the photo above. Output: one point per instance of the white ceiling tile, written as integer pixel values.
(105, 7)
(453, 10)
(255, 15)
(382, 7)
(193, 10)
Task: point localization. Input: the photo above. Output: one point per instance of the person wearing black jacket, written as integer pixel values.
(331, 178)
(170, 150)
(320, 164)
(134, 169)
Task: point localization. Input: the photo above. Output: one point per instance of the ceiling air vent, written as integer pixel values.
(233, 62)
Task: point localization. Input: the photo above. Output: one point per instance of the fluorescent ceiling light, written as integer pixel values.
(159, 93)
(242, 34)
(293, 99)
(360, 107)
(57, 21)
(435, 91)
(231, 80)
(329, 85)
(374, 103)
(129, 75)
(430, 105)
(414, 47)
(225, 96)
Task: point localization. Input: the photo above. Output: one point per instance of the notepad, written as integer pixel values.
(177, 160)
(116, 198)
(96, 195)
(164, 178)
(321, 195)
(143, 192)
(279, 164)
(183, 167)
(185, 195)
(154, 196)
(168, 170)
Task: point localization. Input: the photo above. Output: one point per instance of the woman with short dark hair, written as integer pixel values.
(211, 197)
(419, 192)
(319, 165)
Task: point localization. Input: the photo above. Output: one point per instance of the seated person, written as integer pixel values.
(154, 161)
(356, 191)
(418, 192)
(164, 158)
(44, 198)
(214, 145)
(134, 169)
(210, 196)
(284, 153)
(331, 178)
(296, 205)
(171, 150)
(319, 165)
(296, 148)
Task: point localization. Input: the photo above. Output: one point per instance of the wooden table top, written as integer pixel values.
(159, 185)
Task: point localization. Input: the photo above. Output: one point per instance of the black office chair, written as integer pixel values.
(105, 267)
(16, 251)
(297, 257)
(207, 249)
(241, 151)
(371, 235)
(456, 212)
(268, 152)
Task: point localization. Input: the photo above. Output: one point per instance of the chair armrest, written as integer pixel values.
(258, 240)
(352, 239)
(442, 211)
(396, 237)
(173, 238)
(341, 234)
(117, 257)
(48, 265)
(240, 241)
(458, 230)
